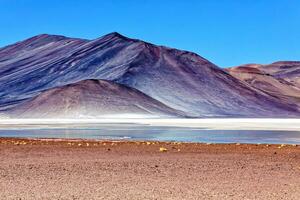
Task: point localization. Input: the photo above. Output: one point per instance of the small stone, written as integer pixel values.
(163, 149)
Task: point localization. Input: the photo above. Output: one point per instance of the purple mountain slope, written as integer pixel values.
(91, 98)
(179, 79)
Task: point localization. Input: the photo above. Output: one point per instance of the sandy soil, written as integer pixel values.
(43, 169)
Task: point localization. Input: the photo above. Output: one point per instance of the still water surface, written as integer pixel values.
(159, 133)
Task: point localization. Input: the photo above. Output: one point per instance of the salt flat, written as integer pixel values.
(211, 123)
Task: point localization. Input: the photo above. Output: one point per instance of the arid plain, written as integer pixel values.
(82, 169)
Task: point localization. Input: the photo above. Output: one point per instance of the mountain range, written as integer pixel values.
(51, 76)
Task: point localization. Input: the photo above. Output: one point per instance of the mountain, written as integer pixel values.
(22, 65)
(287, 70)
(277, 79)
(179, 79)
(91, 98)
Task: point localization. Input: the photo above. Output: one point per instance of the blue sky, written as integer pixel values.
(227, 32)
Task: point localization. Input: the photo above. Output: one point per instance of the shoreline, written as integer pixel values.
(40, 140)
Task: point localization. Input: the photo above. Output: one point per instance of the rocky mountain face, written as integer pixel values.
(287, 70)
(181, 81)
(279, 79)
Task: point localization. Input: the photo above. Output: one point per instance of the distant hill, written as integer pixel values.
(91, 98)
(280, 79)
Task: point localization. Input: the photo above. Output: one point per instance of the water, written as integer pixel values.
(157, 133)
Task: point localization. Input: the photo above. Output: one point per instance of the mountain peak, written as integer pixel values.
(114, 35)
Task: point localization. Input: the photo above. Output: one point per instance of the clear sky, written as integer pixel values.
(227, 32)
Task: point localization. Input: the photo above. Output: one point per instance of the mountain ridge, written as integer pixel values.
(268, 78)
(179, 79)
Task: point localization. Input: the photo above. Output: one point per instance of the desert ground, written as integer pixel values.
(82, 169)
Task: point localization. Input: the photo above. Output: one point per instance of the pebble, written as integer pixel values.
(163, 149)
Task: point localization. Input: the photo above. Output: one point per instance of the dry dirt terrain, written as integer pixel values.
(56, 169)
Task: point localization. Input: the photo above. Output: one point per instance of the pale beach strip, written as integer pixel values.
(208, 123)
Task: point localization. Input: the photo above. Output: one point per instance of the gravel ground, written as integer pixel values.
(77, 169)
